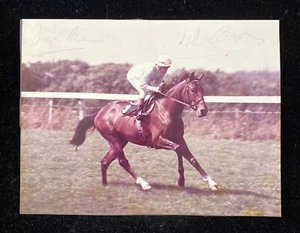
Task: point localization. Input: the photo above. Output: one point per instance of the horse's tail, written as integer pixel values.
(80, 132)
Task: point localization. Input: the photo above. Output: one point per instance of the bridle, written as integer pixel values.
(192, 105)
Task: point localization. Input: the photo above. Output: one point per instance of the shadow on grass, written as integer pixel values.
(207, 191)
(193, 190)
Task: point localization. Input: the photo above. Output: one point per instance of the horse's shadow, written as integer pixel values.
(206, 191)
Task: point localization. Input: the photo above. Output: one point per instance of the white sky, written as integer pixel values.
(229, 45)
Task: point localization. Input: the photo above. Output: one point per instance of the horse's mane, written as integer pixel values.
(178, 80)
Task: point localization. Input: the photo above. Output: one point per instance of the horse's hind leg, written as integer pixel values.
(105, 162)
(117, 146)
(108, 159)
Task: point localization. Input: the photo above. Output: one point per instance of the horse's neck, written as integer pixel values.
(174, 108)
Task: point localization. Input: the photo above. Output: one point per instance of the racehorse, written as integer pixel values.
(162, 129)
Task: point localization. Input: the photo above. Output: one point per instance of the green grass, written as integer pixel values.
(57, 180)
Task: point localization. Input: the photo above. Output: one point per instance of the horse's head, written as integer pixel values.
(193, 94)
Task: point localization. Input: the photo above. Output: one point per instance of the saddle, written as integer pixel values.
(132, 109)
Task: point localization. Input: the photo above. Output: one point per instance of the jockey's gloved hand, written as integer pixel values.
(161, 87)
(156, 89)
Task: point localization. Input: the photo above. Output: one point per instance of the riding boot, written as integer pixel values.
(140, 109)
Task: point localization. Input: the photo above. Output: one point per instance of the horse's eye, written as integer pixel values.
(193, 90)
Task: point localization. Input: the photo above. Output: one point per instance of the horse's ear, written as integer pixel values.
(201, 77)
(191, 77)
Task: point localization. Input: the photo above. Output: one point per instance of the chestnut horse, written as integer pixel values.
(162, 129)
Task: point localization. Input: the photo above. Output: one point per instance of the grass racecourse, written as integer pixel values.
(57, 180)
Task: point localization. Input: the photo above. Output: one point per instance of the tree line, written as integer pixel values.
(79, 76)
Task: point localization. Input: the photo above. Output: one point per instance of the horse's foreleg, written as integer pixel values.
(180, 179)
(188, 156)
(164, 143)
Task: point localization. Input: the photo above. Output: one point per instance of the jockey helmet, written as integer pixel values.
(164, 61)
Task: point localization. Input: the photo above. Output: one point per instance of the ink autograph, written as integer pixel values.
(68, 39)
(223, 35)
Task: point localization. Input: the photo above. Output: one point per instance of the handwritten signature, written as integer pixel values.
(223, 36)
(64, 39)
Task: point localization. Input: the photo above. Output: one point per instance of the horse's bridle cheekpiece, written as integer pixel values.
(192, 105)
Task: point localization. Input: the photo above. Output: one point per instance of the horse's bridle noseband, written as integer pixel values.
(193, 104)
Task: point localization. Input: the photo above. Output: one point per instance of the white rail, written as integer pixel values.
(209, 99)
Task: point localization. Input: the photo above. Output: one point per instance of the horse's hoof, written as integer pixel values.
(215, 187)
(144, 184)
(180, 183)
(105, 186)
(147, 187)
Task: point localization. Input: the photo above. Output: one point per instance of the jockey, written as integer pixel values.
(147, 78)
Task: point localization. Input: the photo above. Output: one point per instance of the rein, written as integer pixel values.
(192, 106)
(178, 101)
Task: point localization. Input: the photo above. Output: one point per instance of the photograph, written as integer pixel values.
(150, 117)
